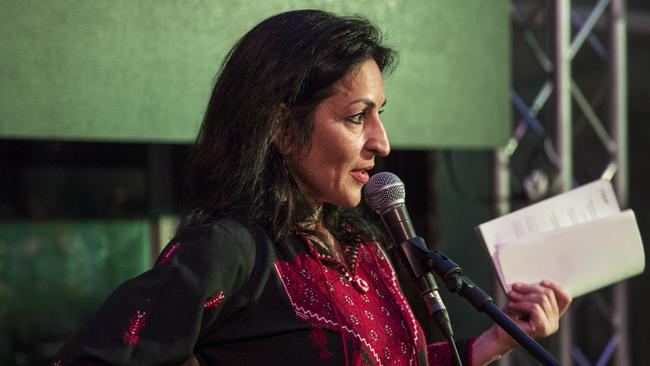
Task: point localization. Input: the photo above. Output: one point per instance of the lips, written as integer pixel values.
(360, 175)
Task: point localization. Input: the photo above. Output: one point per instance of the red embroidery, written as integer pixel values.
(372, 319)
(215, 300)
(388, 271)
(132, 336)
(57, 363)
(169, 253)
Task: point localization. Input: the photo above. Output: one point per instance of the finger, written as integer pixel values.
(542, 295)
(547, 304)
(533, 312)
(537, 323)
(525, 287)
(550, 296)
(547, 289)
(561, 295)
(513, 313)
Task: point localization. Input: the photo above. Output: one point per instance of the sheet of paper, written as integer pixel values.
(587, 203)
(581, 258)
(583, 204)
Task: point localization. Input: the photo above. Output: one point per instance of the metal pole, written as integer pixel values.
(563, 134)
(618, 120)
(563, 90)
(501, 207)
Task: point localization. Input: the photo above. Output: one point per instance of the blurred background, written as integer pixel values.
(494, 105)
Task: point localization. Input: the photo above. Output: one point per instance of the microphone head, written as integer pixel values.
(383, 191)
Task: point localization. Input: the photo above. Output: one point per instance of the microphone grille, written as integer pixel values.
(384, 190)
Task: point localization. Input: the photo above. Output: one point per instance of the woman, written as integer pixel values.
(272, 264)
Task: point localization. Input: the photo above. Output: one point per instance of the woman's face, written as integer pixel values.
(346, 136)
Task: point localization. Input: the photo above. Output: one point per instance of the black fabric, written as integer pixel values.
(254, 324)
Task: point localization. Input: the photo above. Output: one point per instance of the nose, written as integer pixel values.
(377, 141)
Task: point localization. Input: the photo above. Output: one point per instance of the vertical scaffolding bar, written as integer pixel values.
(502, 207)
(563, 138)
(618, 120)
(563, 90)
(617, 315)
(502, 182)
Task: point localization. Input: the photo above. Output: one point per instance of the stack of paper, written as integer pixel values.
(579, 239)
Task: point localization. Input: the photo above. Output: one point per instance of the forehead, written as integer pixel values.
(363, 81)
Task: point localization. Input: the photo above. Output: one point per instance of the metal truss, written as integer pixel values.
(548, 127)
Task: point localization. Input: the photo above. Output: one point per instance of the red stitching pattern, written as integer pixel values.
(215, 300)
(169, 254)
(361, 314)
(387, 270)
(137, 322)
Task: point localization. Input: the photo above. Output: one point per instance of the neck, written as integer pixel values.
(315, 219)
(324, 238)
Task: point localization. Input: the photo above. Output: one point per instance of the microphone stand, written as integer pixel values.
(417, 253)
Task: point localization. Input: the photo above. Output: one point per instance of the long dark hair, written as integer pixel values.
(271, 81)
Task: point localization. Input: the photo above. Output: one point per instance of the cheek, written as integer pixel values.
(346, 145)
(335, 151)
(340, 160)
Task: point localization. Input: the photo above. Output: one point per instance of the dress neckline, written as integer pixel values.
(347, 267)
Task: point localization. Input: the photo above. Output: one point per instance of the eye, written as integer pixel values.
(357, 119)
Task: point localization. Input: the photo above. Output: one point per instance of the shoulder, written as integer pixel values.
(228, 244)
(221, 233)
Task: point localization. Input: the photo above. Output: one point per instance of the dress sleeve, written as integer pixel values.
(440, 353)
(157, 317)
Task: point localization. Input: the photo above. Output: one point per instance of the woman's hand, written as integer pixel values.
(536, 309)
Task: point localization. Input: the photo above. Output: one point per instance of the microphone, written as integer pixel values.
(385, 194)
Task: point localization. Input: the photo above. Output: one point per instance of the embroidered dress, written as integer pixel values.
(227, 294)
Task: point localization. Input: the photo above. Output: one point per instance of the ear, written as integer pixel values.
(283, 130)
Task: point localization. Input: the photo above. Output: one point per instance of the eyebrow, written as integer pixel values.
(368, 102)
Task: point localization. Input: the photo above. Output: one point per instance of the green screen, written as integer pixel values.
(142, 71)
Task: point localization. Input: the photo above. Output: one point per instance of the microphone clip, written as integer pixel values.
(422, 261)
